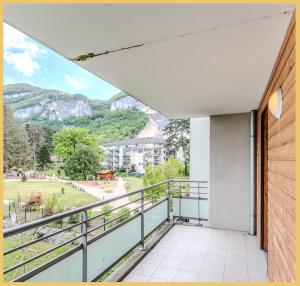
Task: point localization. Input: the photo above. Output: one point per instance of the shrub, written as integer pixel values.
(106, 209)
(34, 201)
(62, 190)
(50, 204)
(123, 214)
(23, 178)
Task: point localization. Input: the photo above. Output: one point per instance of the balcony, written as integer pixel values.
(162, 229)
(200, 254)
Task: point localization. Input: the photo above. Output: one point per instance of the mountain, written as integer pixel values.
(120, 117)
(30, 102)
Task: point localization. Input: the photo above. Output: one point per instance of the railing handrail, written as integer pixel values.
(164, 186)
(46, 220)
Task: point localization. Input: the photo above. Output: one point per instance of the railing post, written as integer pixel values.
(84, 246)
(169, 201)
(198, 190)
(180, 201)
(142, 221)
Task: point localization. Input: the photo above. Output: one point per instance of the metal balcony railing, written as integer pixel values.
(98, 240)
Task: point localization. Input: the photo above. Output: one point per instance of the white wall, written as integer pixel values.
(220, 154)
(199, 148)
(229, 171)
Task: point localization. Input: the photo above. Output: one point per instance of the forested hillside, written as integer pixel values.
(56, 109)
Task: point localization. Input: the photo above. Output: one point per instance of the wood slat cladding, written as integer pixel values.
(281, 165)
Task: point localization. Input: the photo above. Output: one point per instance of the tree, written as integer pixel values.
(123, 214)
(178, 132)
(48, 138)
(170, 169)
(83, 162)
(67, 140)
(36, 139)
(16, 147)
(43, 157)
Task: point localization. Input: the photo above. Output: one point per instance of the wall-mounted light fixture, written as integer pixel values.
(275, 103)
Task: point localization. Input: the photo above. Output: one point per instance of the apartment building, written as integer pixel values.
(135, 154)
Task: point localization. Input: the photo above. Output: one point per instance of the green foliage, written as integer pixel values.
(107, 214)
(50, 204)
(43, 157)
(83, 162)
(178, 136)
(110, 126)
(171, 169)
(24, 178)
(15, 145)
(123, 214)
(74, 218)
(106, 125)
(68, 139)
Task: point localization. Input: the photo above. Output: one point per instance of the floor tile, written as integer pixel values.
(215, 259)
(191, 266)
(171, 262)
(154, 259)
(185, 276)
(136, 278)
(209, 278)
(236, 274)
(211, 269)
(236, 263)
(165, 273)
(188, 254)
(145, 268)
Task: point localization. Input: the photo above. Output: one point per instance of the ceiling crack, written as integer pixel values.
(90, 55)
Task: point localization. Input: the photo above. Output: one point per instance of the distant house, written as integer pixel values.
(106, 175)
(55, 159)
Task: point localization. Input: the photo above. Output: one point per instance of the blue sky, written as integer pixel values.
(27, 61)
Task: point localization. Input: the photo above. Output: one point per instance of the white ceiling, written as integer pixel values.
(196, 59)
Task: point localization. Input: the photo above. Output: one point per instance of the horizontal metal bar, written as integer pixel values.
(41, 239)
(112, 220)
(95, 238)
(157, 191)
(191, 198)
(190, 187)
(187, 181)
(187, 192)
(149, 202)
(47, 264)
(156, 204)
(40, 255)
(119, 207)
(189, 217)
(43, 221)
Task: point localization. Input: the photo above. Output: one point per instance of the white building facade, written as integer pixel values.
(135, 154)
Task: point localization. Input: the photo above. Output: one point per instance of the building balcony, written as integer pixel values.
(162, 237)
(200, 254)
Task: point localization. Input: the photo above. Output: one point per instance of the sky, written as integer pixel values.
(27, 61)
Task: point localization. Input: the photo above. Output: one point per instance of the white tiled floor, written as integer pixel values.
(192, 253)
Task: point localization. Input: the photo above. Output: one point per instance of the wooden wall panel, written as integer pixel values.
(281, 165)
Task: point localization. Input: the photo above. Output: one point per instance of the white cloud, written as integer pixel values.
(75, 83)
(21, 52)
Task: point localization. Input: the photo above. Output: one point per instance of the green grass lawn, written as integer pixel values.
(53, 170)
(133, 184)
(19, 256)
(71, 197)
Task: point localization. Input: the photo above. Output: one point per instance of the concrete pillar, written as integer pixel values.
(199, 148)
